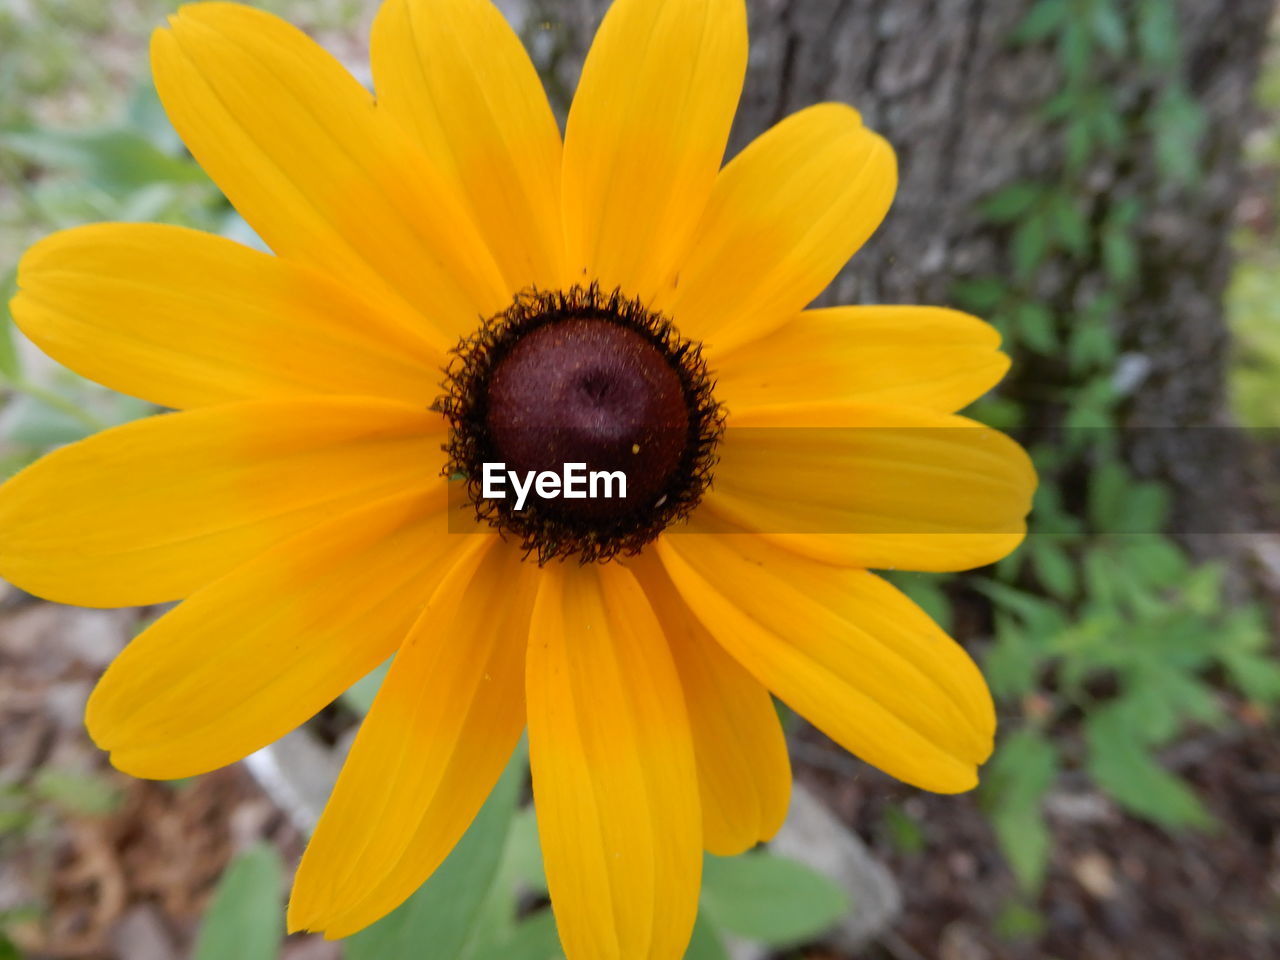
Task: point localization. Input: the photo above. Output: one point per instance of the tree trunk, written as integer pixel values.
(963, 108)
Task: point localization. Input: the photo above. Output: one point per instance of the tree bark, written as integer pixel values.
(963, 109)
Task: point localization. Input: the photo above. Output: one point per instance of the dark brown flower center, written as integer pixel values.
(581, 422)
(587, 390)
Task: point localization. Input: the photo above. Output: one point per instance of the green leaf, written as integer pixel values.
(1024, 767)
(1202, 588)
(1245, 655)
(1075, 50)
(10, 364)
(999, 412)
(118, 161)
(1030, 245)
(1091, 411)
(1153, 560)
(534, 938)
(1187, 698)
(1036, 327)
(980, 294)
(904, 830)
(1012, 202)
(1090, 346)
(1016, 921)
(1147, 507)
(1048, 512)
(1119, 254)
(1122, 766)
(771, 899)
(1127, 212)
(1079, 136)
(705, 943)
(1158, 41)
(1062, 105)
(440, 920)
(1118, 503)
(1257, 677)
(1070, 227)
(245, 919)
(1026, 843)
(524, 851)
(1012, 663)
(85, 794)
(1043, 617)
(1177, 123)
(359, 697)
(1108, 27)
(1108, 490)
(1053, 566)
(34, 423)
(146, 115)
(927, 592)
(1110, 126)
(1022, 770)
(520, 875)
(1041, 20)
(11, 463)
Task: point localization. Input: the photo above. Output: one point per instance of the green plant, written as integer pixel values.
(1110, 644)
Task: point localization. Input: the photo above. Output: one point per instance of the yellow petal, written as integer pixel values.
(875, 486)
(785, 215)
(296, 145)
(845, 650)
(444, 723)
(185, 319)
(152, 510)
(646, 135)
(614, 778)
(918, 356)
(744, 774)
(455, 75)
(249, 657)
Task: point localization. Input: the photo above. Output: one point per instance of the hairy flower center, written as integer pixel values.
(586, 390)
(582, 423)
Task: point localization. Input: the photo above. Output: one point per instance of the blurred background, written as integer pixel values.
(1100, 179)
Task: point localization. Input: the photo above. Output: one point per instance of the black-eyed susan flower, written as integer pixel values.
(614, 298)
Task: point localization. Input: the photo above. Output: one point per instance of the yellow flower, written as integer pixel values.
(300, 501)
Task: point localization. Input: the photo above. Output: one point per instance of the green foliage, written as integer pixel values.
(1120, 763)
(133, 170)
(441, 919)
(468, 909)
(359, 697)
(116, 160)
(768, 898)
(76, 793)
(10, 365)
(1016, 921)
(1016, 782)
(926, 590)
(1042, 21)
(1128, 644)
(705, 944)
(1106, 635)
(904, 831)
(245, 919)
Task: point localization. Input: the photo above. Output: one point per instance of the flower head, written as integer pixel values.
(452, 284)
